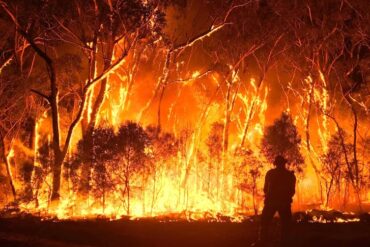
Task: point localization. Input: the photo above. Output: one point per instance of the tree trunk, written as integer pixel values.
(103, 86)
(355, 161)
(254, 198)
(227, 122)
(328, 193)
(8, 168)
(308, 138)
(127, 183)
(154, 191)
(29, 142)
(58, 155)
(131, 77)
(53, 101)
(251, 111)
(128, 197)
(163, 84)
(89, 126)
(159, 109)
(55, 195)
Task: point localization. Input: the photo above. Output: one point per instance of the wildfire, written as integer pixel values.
(166, 126)
(180, 187)
(331, 216)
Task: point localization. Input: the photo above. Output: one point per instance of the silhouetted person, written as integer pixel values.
(279, 189)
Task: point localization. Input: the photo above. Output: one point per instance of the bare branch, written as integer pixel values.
(192, 78)
(6, 63)
(234, 8)
(41, 94)
(212, 29)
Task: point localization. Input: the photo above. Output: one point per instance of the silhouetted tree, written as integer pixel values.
(132, 143)
(101, 151)
(104, 156)
(282, 138)
(334, 166)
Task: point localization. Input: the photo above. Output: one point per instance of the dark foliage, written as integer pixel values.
(282, 138)
(132, 141)
(214, 141)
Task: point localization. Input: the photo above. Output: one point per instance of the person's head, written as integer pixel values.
(280, 161)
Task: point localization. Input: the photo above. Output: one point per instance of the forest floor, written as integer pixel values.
(26, 232)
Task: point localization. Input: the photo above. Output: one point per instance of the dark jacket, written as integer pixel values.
(279, 186)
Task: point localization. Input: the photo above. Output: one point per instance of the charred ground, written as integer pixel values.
(32, 231)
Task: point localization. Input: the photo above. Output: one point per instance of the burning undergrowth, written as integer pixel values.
(308, 216)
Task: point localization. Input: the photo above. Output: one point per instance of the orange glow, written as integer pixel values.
(181, 185)
(190, 184)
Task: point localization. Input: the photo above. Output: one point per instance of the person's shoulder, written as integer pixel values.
(272, 170)
(269, 172)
